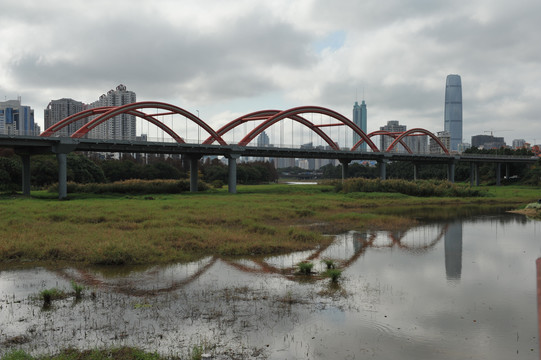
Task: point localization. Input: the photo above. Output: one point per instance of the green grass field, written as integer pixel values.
(262, 219)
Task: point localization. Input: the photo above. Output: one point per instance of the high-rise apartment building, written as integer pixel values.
(121, 127)
(58, 110)
(519, 143)
(263, 140)
(453, 110)
(445, 138)
(359, 118)
(393, 126)
(17, 119)
(417, 143)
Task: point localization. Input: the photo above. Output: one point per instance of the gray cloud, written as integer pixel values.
(203, 52)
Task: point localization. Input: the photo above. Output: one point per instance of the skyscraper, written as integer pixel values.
(120, 127)
(17, 119)
(58, 110)
(453, 110)
(359, 118)
(393, 126)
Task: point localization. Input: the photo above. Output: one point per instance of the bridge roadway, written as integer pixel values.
(26, 146)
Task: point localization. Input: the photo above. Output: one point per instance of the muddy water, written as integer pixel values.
(461, 289)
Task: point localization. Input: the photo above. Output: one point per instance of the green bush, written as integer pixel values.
(133, 187)
(412, 188)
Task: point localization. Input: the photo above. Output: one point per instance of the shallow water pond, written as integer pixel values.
(461, 289)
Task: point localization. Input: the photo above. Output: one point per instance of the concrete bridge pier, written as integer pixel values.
(232, 166)
(62, 159)
(194, 171)
(415, 171)
(474, 174)
(345, 168)
(451, 172)
(62, 149)
(498, 174)
(25, 158)
(382, 169)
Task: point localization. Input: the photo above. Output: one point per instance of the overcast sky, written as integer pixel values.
(228, 58)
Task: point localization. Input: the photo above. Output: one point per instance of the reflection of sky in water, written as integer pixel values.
(441, 291)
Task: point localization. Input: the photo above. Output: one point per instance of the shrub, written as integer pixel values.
(412, 188)
(133, 187)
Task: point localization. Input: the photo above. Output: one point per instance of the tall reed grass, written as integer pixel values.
(133, 186)
(423, 188)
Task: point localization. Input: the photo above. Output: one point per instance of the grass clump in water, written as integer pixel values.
(48, 295)
(305, 267)
(333, 274)
(78, 290)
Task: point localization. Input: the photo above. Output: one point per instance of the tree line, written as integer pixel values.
(91, 169)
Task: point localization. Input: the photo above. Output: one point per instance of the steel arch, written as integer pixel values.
(303, 109)
(100, 110)
(381, 132)
(418, 130)
(133, 107)
(265, 115)
(73, 118)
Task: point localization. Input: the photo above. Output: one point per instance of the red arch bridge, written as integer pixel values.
(328, 127)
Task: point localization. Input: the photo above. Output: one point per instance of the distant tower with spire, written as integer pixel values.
(359, 118)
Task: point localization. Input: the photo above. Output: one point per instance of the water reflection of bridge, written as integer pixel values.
(345, 251)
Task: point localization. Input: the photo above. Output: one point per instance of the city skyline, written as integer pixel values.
(200, 56)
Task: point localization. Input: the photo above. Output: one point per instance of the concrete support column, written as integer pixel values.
(476, 174)
(415, 172)
(232, 165)
(451, 172)
(345, 168)
(62, 175)
(26, 174)
(498, 174)
(473, 175)
(382, 169)
(194, 172)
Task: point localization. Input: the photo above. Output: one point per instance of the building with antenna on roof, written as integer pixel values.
(359, 118)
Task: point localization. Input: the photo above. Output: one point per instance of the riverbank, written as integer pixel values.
(266, 219)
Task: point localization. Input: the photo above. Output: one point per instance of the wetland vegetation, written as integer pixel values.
(117, 229)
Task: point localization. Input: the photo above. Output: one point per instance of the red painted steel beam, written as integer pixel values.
(306, 109)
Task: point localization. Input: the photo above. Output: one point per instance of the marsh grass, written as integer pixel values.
(305, 267)
(270, 219)
(77, 289)
(333, 274)
(122, 353)
(48, 295)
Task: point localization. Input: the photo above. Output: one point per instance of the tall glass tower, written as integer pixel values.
(453, 110)
(359, 118)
